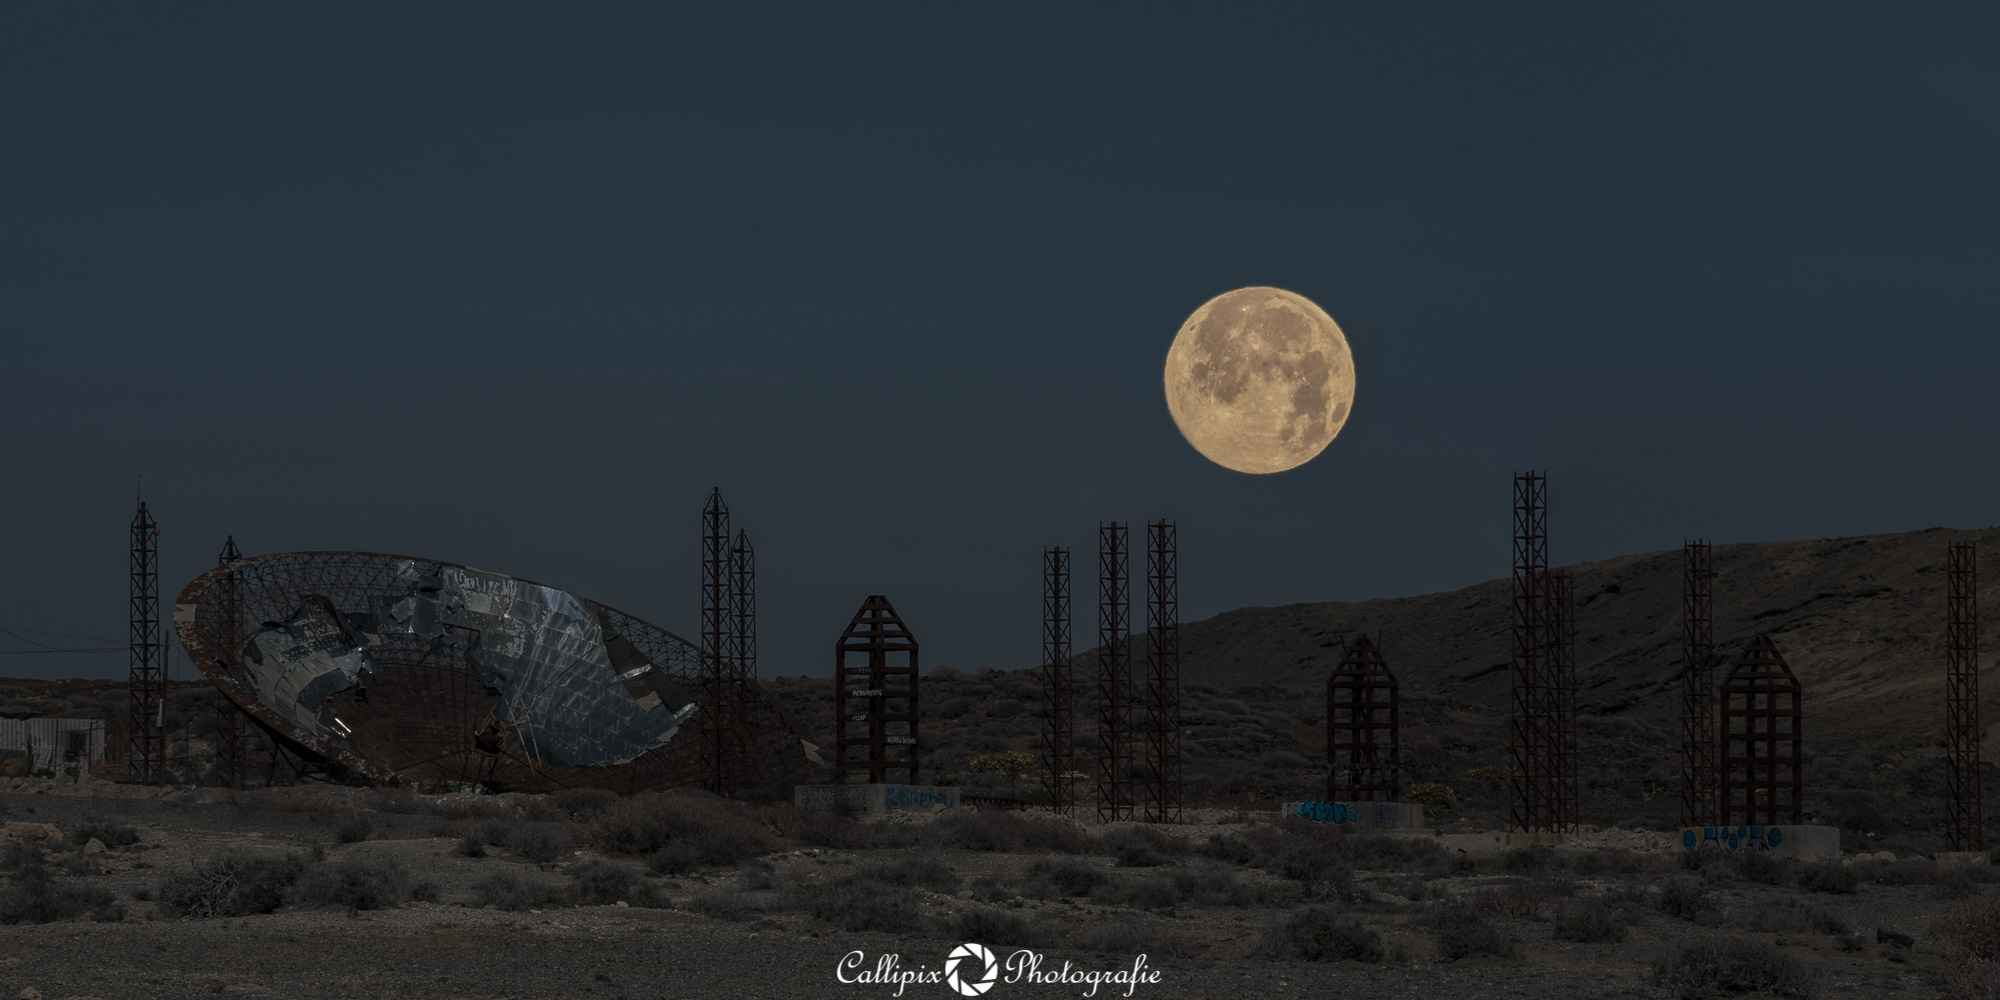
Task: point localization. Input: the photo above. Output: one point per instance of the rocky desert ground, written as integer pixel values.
(326, 891)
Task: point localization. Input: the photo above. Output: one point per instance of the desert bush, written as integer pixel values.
(458, 807)
(1053, 878)
(230, 885)
(1121, 937)
(703, 830)
(354, 829)
(1533, 858)
(602, 883)
(1788, 915)
(759, 875)
(1955, 884)
(1433, 794)
(863, 905)
(1005, 831)
(1759, 867)
(34, 896)
(1682, 898)
(472, 845)
(1457, 932)
(1230, 848)
(1971, 928)
(921, 872)
(400, 801)
(509, 891)
(1904, 871)
(987, 889)
(1319, 934)
(1602, 861)
(577, 802)
(722, 906)
(1826, 876)
(1712, 968)
(1589, 923)
(998, 927)
(355, 884)
(539, 841)
(1141, 846)
(1519, 900)
(18, 854)
(108, 832)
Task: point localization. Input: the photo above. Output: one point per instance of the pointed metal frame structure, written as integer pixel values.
(875, 702)
(1762, 769)
(1364, 750)
(1560, 674)
(229, 717)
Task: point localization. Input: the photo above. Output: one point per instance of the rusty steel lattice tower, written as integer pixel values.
(743, 607)
(875, 696)
(229, 717)
(1058, 683)
(1560, 671)
(1965, 824)
(1531, 794)
(714, 640)
(147, 759)
(1114, 674)
(1762, 771)
(1700, 787)
(1163, 673)
(1364, 753)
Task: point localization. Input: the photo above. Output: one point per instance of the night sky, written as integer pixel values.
(516, 286)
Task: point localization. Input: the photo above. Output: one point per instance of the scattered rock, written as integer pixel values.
(1884, 935)
(623, 905)
(93, 846)
(22, 830)
(1885, 855)
(29, 992)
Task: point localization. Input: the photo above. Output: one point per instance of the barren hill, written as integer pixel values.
(1860, 620)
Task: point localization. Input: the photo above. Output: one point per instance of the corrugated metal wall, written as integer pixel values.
(49, 741)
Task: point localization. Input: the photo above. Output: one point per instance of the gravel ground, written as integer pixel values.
(451, 949)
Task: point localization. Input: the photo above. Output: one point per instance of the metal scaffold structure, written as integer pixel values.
(1163, 673)
(1965, 826)
(146, 757)
(875, 700)
(715, 641)
(1114, 674)
(1531, 801)
(1700, 787)
(1058, 719)
(1364, 753)
(229, 717)
(743, 607)
(1560, 672)
(1762, 772)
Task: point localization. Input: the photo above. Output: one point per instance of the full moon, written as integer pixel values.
(1259, 380)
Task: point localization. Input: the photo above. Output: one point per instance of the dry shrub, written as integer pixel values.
(1589, 923)
(1319, 934)
(1903, 871)
(1711, 968)
(400, 801)
(1005, 831)
(699, 829)
(1519, 900)
(1971, 928)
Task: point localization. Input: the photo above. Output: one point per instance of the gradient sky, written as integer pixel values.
(515, 286)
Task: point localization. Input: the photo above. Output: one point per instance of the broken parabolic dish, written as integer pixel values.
(422, 672)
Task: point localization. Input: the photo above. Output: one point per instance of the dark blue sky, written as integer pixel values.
(514, 287)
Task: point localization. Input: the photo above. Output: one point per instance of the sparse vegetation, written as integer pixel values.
(1319, 934)
(1719, 967)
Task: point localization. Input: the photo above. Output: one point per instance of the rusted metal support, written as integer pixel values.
(715, 716)
(743, 607)
(1965, 821)
(1163, 673)
(229, 718)
(1531, 797)
(1058, 683)
(1700, 785)
(1114, 674)
(146, 761)
(875, 699)
(1561, 673)
(1364, 754)
(1763, 773)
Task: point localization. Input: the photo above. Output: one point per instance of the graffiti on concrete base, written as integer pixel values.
(1742, 838)
(916, 797)
(1385, 813)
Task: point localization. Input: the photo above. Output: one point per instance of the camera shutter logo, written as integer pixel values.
(971, 969)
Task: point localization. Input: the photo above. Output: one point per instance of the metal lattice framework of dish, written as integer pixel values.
(414, 671)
